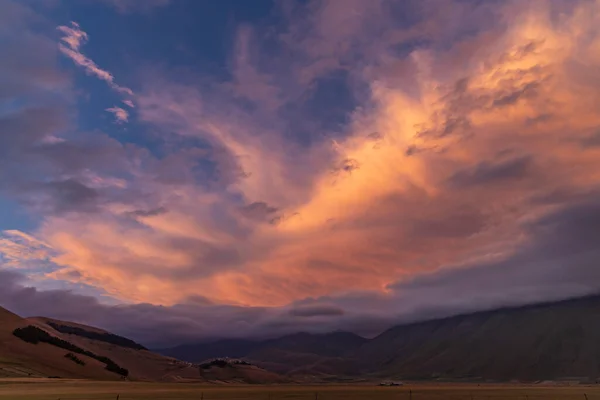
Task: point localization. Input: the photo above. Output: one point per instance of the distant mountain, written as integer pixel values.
(199, 352)
(551, 341)
(329, 344)
(539, 342)
(285, 354)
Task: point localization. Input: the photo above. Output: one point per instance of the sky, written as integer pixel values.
(183, 170)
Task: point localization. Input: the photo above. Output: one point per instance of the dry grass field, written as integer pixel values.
(43, 389)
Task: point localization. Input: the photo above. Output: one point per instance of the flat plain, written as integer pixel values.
(44, 389)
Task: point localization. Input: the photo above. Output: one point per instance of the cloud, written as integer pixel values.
(258, 210)
(545, 268)
(356, 212)
(316, 310)
(441, 178)
(45, 164)
(74, 37)
(18, 248)
(485, 172)
(149, 213)
(26, 66)
(121, 115)
(71, 194)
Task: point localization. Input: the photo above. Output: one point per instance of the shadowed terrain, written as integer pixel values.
(546, 341)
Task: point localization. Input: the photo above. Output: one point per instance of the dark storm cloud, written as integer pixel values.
(23, 128)
(559, 260)
(258, 211)
(149, 213)
(511, 98)
(71, 194)
(592, 141)
(462, 222)
(28, 59)
(316, 310)
(490, 173)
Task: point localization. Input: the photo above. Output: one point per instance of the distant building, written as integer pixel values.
(391, 383)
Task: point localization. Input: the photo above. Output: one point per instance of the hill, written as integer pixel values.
(545, 341)
(44, 347)
(309, 355)
(20, 358)
(227, 370)
(551, 341)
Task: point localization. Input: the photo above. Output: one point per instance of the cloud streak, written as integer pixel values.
(74, 37)
(121, 115)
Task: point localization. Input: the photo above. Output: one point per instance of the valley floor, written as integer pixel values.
(45, 389)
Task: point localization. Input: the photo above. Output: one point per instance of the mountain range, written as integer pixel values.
(558, 340)
(550, 341)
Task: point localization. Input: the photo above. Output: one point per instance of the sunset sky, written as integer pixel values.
(177, 170)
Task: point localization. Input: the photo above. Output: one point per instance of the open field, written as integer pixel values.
(42, 389)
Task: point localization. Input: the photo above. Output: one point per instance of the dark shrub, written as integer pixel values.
(35, 335)
(102, 337)
(74, 358)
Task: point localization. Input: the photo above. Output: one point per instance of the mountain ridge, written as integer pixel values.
(552, 340)
(543, 341)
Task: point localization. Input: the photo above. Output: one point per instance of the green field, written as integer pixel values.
(31, 389)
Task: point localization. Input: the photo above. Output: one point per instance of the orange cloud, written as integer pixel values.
(439, 168)
(121, 115)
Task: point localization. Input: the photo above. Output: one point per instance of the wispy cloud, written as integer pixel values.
(19, 249)
(74, 37)
(121, 115)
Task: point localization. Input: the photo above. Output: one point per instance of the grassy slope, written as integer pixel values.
(22, 359)
(529, 343)
(240, 374)
(142, 364)
(146, 365)
(18, 358)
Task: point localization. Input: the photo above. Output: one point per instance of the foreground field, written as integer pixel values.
(42, 389)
